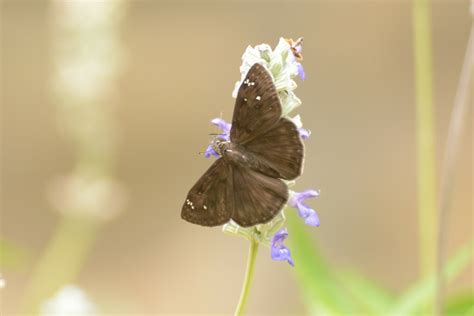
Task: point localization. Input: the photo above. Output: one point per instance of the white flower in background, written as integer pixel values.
(70, 300)
(3, 283)
(85, 66)
(92, 197)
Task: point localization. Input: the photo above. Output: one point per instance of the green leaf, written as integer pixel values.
(371, 297)
(320, 288)
(460, 305)
(422, 292)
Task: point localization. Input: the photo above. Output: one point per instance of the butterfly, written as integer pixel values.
(245, 183)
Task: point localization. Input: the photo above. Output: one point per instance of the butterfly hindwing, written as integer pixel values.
(280, 149)
(257, 106)
(257, 197)
(210, 200)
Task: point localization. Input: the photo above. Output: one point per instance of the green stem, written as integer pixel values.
(61, 261)
(425, 137)
(427, 215)
(244, 295)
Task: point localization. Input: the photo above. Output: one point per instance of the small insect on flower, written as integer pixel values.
(261, 150)
(296, 48)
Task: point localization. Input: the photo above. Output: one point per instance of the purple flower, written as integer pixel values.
(210, 152)
(278, 250)
(225, 127)
(304, 133)
(304, 211)
(299, 66)
(300, 70)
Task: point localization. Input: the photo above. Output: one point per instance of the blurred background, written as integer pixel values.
(156, 73)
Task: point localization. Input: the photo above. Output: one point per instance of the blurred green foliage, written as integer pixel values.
(460, 304)
(328, 290)
(12, 256)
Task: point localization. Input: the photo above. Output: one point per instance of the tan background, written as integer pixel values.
(182, 62)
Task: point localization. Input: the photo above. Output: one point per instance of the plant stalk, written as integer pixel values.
(425, 137)
(457, 123)
(244, 295)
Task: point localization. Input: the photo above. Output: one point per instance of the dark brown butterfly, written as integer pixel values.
(245, 184)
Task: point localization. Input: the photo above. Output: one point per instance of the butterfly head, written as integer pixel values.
(220, 145)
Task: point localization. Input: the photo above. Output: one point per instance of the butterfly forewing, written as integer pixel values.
(209, 202)
(281, 149)
(257, 107)
(257, 197)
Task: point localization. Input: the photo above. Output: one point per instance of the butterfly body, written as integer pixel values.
(245, 183)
